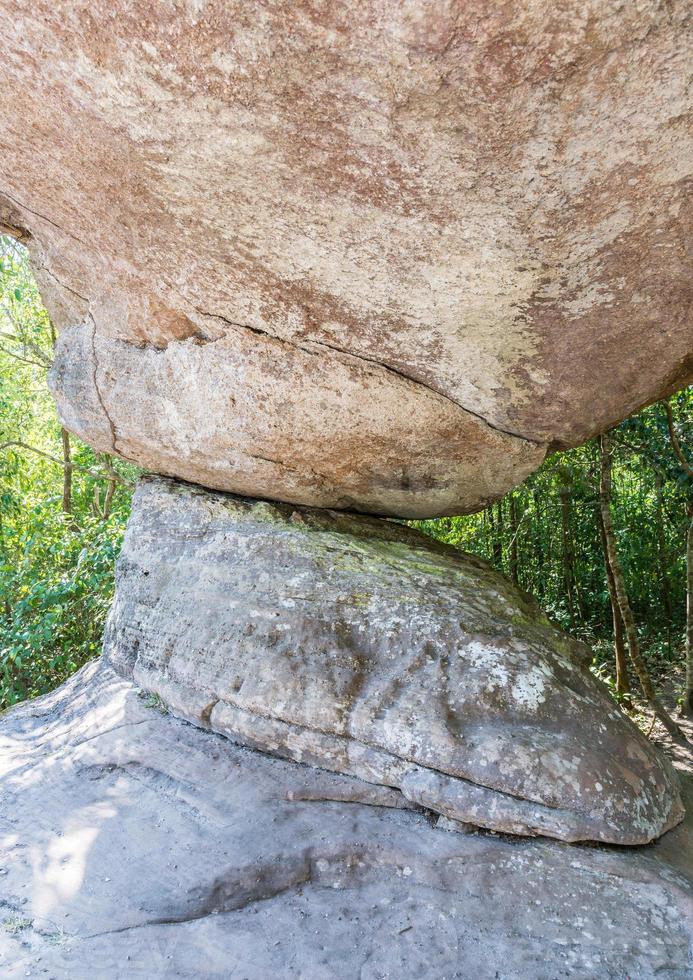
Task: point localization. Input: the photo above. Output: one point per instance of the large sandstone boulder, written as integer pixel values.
(361, 646)
(364, 255)
(134, 846)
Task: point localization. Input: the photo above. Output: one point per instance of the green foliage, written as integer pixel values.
(56, 588)
(56, 566)
(546, 533)
(154, 701)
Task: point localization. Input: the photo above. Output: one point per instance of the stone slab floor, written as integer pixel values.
(133, 845)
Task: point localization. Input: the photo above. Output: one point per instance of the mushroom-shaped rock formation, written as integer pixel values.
(362, 646)
(377, 256)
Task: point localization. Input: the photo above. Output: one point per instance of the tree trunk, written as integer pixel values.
(622, 596)
(67, 455)
(622, 678)
(514, 528)
(67, 472)
(498, 537)
(537, 542)
(567, 555)
(662, 555)
(110, 489)
(687, 707)
(488, 530)
(6, 599)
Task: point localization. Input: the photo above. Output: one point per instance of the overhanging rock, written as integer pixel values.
(361, 646)
(372, 256)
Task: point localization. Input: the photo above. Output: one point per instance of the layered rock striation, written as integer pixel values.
(367, 256)
(134, 845)
(361, 646)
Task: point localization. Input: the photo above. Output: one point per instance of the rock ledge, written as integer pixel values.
(364, 647)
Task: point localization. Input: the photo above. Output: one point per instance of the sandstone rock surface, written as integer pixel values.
(377, 256)
(134, 846)
(362, 646)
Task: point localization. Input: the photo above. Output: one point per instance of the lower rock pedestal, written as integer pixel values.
(135, 846)
(361, 646)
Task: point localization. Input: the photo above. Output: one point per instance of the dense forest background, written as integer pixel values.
(63, 507)
(599, 535)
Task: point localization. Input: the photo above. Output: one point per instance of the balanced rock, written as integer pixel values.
(368, 256)
(362, 646)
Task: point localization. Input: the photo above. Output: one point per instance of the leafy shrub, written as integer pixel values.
(58, 539)
(56, 594)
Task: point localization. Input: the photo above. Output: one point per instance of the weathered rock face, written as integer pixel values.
(374, 256)
(361, 646)
(134, 846)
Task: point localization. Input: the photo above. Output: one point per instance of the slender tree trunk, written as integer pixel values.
(498, 537)
(67, 454)
(622, 678)
(514, 528)
(567, 554)
(110, 489)
(622, 595)
(662, 556)
(488, 530)
(687, 707)
(6, 599)
(537, 541)
(673, 438)
(67, 472)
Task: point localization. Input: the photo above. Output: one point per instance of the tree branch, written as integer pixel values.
(639, 450)
(24, 360)
(26, 344)
(114, 475)
(674, 440)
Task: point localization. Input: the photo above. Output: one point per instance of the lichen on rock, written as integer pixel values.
(361, 646)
